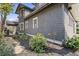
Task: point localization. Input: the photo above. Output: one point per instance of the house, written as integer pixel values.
(55, 21)
(12, 27)
(75, 12)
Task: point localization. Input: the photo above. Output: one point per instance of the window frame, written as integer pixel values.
(26, 24)
(35, 25)
(21, 27)
(71, 21)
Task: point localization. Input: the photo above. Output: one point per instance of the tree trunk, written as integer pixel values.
(3, 24)
(2, 28)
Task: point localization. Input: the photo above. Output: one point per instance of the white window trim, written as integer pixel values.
(71, 19)
(21, 29)
(19, 26)
(26, 24)
(36, 18)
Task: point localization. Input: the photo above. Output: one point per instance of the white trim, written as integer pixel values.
(29, 34)
(54, 41)
(50, 40)
(26, 24)
(20, 26)
(21, 33)
(36, 18)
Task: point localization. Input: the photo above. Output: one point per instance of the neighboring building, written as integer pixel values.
(55, 21)
(75, 12)
(22, 11)
(12, 27)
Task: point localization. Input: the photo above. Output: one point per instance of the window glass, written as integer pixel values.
(35, 22)
(21, 26)
(26, 24)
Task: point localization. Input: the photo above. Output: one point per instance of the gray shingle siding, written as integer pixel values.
(50, 21)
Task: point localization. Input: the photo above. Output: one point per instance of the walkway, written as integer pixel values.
(54, 50)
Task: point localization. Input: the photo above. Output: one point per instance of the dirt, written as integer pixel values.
(52, 50)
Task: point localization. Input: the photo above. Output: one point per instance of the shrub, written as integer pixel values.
(23, 36)
(1, 37)
(73, 42)
(5, 50)
(38, 43)
(1, 34)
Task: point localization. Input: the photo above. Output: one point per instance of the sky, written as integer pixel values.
(12, 16)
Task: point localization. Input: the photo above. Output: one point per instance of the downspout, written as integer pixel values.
(69, 9)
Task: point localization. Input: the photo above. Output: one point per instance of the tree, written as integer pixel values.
(5, 9)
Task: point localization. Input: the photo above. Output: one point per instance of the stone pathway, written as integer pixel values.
(16, 45)
(55, 50)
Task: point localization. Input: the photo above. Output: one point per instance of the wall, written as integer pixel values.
(12, 29)
(21, 18)
(50, 22)
(70, 24)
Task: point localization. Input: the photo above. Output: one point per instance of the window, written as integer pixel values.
(71, 21)
(21, 26)
(22, 13)
(26, 24)
(77, 27)
(26, 13)
(74, 27)
(35, 22)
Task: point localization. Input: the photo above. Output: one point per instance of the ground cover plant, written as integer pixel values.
(5, 50)
(73, 42)
(38, 43)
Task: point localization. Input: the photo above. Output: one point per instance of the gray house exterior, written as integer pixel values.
(55, 21)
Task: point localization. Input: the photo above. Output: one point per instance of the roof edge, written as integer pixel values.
(37, 10)
(22, 5)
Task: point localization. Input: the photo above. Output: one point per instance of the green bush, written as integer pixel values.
(77, 32)
(38, 43)
(1, 34)
(73, 42)
(77, 29)
(5, 50)
(23, 36)
(1, 37)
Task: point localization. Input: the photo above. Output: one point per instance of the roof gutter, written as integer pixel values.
(72, 15)
(69, 9)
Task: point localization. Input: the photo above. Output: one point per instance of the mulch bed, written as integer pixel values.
(51, 50)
